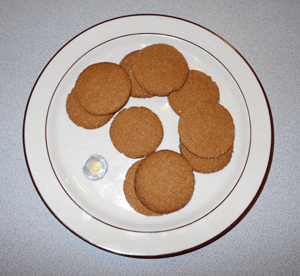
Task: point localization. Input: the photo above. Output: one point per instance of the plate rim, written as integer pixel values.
(234, 223)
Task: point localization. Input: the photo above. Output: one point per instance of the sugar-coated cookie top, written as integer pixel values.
(136, 131)
(103, 88)
(206, 129)
(160, 69)
(198, 87)
(164, 181)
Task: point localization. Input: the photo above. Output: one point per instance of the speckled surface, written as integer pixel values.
(265, 242)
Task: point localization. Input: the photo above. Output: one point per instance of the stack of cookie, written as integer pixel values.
(206, 132)
(100, 91)
(161, 183)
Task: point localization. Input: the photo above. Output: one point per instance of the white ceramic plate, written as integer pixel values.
(97, 211)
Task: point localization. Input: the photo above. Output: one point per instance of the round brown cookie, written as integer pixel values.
(130, 194)
(206, 165)
(198, 87)
(103, 88)
(81, 117)
(136, 90)
(136, 131)
(206, 129)
(164, 181)
(160, 69)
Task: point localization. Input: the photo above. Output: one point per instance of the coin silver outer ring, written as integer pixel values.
(99, 175)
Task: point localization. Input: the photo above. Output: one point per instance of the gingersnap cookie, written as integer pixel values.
(164, 181)
(136, 90)
(130, 194)
(206, 129)
(81, 117)
(206, 165)
(160, 69)
(103, 88)
(136, 131)
(198, 87)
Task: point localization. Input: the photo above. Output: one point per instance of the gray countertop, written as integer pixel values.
(265, 242)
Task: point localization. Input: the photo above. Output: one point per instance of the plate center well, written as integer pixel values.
(69, 145)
